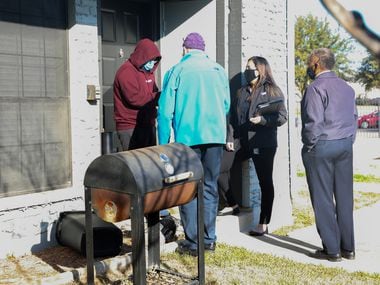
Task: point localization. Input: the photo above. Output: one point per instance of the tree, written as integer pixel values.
(312, 33)
(368, 74)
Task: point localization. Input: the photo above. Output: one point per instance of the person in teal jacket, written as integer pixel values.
(195, 101)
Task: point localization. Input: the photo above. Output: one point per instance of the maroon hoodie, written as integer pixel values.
(135, 91)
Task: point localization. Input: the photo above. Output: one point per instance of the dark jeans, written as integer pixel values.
(329, 173)
(210, 156)
(137, 138)
(263, 159)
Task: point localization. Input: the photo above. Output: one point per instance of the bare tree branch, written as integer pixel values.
(353, 22)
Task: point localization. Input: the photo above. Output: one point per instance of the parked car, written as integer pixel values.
(369, 121)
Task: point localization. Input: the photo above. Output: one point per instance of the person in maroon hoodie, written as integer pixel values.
(135, 95)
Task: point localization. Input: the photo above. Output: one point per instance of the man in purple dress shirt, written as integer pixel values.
(329, 117)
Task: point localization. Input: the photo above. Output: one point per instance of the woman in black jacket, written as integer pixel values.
(257, 128)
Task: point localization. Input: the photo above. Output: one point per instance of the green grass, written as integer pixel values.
(370, 178)
(364, 199)
(237, 265)
(303, 215)
(366, 178)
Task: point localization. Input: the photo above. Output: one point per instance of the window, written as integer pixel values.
(35, 152)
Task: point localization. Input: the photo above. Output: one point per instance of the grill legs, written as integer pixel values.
(89, 237)
(154, 240)
(138, 239)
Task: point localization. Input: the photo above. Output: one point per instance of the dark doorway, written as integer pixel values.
(122, 25)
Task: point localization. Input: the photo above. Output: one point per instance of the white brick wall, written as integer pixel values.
(264, 33)
(31, 228)
(84, 70)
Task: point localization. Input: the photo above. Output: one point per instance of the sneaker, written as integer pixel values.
(210, 247)
(229, 211)
(185, 248)
(225, 211)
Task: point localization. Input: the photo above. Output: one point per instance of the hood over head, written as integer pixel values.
(145, 51)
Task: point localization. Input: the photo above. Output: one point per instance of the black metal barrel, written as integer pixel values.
(141, 182)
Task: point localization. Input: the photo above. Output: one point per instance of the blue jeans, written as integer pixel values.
(254, 195)
(210, 156)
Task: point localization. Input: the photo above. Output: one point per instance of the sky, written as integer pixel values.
(368, 8)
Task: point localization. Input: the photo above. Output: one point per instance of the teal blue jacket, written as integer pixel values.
(194, 101)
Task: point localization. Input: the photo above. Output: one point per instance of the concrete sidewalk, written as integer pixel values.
(232, 230)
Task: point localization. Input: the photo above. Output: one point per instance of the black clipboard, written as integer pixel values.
(269, 107)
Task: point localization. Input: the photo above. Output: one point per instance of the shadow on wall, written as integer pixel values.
(56, 256)
(236, 169)
(45, 240)
(39, 14)
(187, 8)
(235, 84)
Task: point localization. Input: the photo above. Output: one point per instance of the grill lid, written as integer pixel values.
(144, 170)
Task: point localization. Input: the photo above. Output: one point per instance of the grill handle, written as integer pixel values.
(178, 177)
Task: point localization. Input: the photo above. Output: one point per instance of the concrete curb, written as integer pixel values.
(114, 265)
(118, 264)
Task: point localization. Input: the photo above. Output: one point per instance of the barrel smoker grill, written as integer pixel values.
(141, 182)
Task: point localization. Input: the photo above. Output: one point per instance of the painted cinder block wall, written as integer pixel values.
(265, 33)
(28, 221)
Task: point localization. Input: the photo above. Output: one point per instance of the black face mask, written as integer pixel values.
(311, 73)
(249, 75)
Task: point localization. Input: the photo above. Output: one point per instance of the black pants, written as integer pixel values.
(263, 159)
(137, 137)
(329, 173)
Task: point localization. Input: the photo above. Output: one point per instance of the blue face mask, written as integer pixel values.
(149, 65)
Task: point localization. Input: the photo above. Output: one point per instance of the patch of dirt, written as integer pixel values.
(33, 268)
(30, 269)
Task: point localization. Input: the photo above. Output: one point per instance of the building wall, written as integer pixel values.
(265, 33)
(28, 221)
(178, 19)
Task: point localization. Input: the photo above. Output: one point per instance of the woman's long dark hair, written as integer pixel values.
(266, 76)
